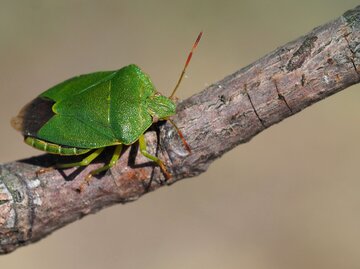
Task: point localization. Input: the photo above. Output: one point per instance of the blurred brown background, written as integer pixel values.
(288, 199)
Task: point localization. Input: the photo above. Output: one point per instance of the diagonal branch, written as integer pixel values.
(214, 121)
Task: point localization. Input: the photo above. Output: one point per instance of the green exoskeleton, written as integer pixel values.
(94, 111)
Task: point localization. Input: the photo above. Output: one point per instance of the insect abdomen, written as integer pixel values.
(53, 148)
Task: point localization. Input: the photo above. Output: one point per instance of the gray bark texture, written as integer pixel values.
(214, 121)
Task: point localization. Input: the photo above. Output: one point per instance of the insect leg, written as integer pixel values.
(143, 151)
(112, 162)
(84, 162)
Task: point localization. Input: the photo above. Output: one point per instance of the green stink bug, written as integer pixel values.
(93, 111)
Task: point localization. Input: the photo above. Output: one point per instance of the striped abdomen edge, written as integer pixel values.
(54, 148)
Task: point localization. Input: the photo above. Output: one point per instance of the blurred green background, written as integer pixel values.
(288, 199)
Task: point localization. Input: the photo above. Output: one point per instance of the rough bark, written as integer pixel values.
(214, 121)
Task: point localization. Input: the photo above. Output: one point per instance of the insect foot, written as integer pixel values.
(44, 170)
(86, 182)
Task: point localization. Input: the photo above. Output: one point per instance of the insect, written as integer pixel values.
(94, 111)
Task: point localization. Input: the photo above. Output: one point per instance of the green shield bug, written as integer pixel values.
(93, 111)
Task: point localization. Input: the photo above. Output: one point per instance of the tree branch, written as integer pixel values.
(214, 121)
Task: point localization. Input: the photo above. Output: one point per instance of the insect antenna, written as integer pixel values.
(186, 145)
(186, 64)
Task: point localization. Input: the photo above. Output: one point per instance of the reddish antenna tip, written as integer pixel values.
(187, 63)
(198, 39)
